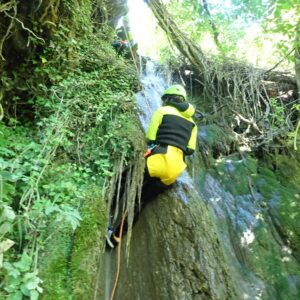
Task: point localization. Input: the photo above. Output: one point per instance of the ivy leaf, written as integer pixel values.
(24, 264)
(8, 213)
(16, 296)
(8, 176)
(5, 228)
(33, 282)
(25, 290)
(11, 270)
(43, 59)
(34, 295)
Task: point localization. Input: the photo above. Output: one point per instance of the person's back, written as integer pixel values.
(171, 136)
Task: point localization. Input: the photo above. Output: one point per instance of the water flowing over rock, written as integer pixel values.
(225, 232)
(260, 259)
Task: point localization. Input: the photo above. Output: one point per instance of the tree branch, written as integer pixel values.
(213, 25)
(284, 58)
(186, 46)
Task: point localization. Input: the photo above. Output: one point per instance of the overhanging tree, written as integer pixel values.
(251, 95)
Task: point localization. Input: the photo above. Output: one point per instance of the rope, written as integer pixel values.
(118, 258)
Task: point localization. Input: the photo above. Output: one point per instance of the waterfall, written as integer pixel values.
(209, 237)
(149, 99)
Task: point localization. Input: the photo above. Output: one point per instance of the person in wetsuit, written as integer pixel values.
(171, 136)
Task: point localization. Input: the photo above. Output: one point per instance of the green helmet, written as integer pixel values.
(176, 89)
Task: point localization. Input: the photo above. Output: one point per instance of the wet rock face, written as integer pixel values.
(230, 233)
(116, 9)
(236, 237)
(174, 252)
(252, 210)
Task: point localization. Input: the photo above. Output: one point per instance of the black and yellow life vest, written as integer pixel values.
(174, 132)
(170, 126)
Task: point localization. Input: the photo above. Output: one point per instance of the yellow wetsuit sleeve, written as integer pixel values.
(154, 124)
(193, 138)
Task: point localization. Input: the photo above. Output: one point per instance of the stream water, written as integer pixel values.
(210, 236)
(153, 86)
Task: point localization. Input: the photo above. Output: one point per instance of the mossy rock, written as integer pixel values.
(215, 139)
(236, 172)
(54, 266)
(71, 261)
(287, 169)
(89, 242)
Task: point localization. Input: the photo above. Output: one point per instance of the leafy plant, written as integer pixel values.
(80, 94)
(278, 114)
(21, 281)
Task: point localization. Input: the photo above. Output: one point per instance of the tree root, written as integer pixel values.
(242, 88)
(4, 8)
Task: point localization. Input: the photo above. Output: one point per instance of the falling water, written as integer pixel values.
(202, 238)
(149, 99)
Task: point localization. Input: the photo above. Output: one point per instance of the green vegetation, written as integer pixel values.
(259, 32)
(68, 123)
(69, 126)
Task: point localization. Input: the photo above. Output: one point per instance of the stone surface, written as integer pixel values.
(174, 252)
(229, 232)
(235, 237)
(250, 208)
(116, 9)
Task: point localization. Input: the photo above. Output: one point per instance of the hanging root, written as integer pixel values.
(23, 27)
(7, 6)
(4, 8)
(50, 13)
(1, 108)
(238, 92)
(125, 190)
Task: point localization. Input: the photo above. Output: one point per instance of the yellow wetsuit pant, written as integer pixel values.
(166, 166)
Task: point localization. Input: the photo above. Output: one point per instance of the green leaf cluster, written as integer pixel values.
(69, 120)
(20, 281)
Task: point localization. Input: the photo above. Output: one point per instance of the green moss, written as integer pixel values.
(271, 263)
(54, 266)
(289, 217)
(88, 245)
(236, 173)
(266, 183)
(215, 138)
(71, 260)
(288, 169)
